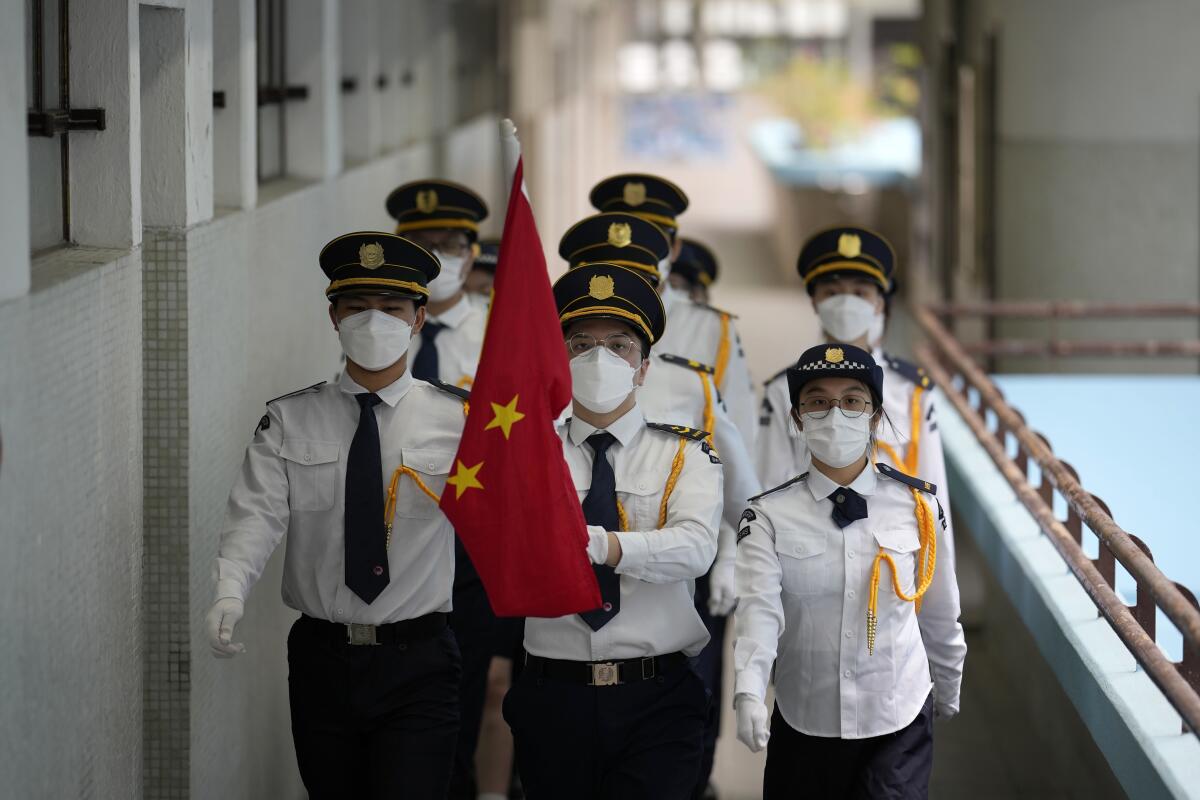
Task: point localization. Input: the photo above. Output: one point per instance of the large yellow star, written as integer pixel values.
(506, 416)
(465, 479)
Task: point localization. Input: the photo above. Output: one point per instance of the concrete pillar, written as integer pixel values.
(235, 127)
(362, 113)
(162, 135)
(106, 173)
(14, 190)
(314, 133)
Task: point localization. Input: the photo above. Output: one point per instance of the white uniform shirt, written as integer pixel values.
(697, 332)
(293, 482)
(803, 585)
(460, 344)
(782, 453)
(657, 565)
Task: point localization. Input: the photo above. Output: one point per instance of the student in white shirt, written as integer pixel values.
(844, 591)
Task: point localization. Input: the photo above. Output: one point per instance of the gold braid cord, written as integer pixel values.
(672, 479)
(908, 465)
(709, 413)
(389, 510)
(926, 562)
(722, 360)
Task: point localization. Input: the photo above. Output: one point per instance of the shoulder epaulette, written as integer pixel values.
(449, 388)
(716, 310)
(680, 361)
(679, 430)
(797, 479)
(908, 371)
(306, 389)
(897, 475)
(776, 376)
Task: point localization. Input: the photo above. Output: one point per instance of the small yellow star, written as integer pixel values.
(506, 416)
(465, 479)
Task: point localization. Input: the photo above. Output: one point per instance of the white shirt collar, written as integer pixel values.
(389, 394)
(625, 429)
(453, 316)
(822, 486)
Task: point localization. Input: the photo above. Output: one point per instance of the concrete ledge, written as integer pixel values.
(1131, 722)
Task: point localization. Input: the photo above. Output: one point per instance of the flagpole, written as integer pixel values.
(510, 154)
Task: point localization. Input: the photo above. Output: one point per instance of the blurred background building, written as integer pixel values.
(171, 169)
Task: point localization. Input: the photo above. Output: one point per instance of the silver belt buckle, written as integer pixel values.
(360, 634)
(605, 674)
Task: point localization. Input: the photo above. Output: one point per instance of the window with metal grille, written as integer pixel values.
(51, 120)
(274, 92)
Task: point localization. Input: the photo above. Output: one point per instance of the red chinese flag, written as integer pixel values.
(510, 495)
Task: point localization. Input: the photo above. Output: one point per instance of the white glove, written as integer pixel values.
(753, 722)
(597, 548)
(722, 588)
(222, 617)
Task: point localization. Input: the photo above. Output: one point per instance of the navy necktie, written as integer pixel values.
(365, 534)
(848, 505)
(425, 367)
(600, 508)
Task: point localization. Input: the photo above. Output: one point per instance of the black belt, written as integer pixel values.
(604, 673)
(407, 630)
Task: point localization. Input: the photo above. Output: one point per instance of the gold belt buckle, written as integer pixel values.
(360, 634)
(605, 674)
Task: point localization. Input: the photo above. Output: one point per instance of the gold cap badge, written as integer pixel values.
(635, 194)
(370, 255)
(834, 355)
(601, 287)
(849, 245)
(427, 201)
(620, 234)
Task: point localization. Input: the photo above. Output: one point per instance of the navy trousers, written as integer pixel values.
(373, 721)
(710, 666)
(894, 766)
(636, 741)
(474, 626)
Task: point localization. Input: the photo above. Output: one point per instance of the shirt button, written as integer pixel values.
(799, 548)
(339, 612)
(850, 554)
(846, 674)
(850, 594)
(430, 465)
(308, 456)
(848, 634)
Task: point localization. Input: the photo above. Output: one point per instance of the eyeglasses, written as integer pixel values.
(619, 344)
(850, 406)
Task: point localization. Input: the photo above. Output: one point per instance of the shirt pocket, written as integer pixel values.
(432, 467)
(640, 495)
(801, 560)
(312, 470)
(901, 544)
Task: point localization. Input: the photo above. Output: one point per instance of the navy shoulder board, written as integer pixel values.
(797, 479)
(716, 310)
(908, 370)
(683, 431)
(457, 391)
(776, 377)
(305, 390)
(680, 361)
(897, 475)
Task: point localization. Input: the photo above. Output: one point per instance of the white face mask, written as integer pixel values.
(875, 332)
(837, 440)
(374, 340)
(846, 317)
(600, 379)
(449, 280)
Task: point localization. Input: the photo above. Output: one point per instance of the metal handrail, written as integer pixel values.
(1179, 683)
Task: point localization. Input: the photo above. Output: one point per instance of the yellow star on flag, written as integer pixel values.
(465, 479)
(506, 416)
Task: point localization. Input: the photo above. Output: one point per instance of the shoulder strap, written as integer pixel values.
(716, 310)
(907, 480)
(687, 363)
(797, 479)
(681, 431)
(306, 389)
(449, 388)
(908, 370)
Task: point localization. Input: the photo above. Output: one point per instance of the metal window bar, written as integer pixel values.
(947, 361)
(41, 121)
(275, 90)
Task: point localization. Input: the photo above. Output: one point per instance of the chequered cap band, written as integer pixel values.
(830, 365)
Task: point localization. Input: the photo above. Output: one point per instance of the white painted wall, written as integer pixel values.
(14, 190)
(235, 127)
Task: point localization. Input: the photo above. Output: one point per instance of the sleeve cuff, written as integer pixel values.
(635, 551)
(748, 682)
(228, 587)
